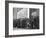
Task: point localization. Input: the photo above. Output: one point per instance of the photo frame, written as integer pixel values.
(27, 10)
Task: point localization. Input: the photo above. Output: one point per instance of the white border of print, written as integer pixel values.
(19, 32)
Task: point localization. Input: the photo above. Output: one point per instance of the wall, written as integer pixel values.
(20, 14)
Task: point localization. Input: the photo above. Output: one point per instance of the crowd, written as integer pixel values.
(26, 23)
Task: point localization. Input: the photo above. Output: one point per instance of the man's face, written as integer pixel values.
(35, 14)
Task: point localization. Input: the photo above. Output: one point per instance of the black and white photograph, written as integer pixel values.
(25, 18)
